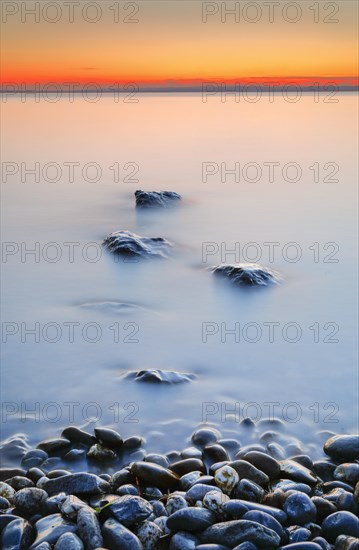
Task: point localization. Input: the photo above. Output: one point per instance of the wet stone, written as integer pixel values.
(248, 490)
(268, 521)
(89, 528)
(191, 519)
(149, 533)
(76, 435)
(226, 478)
(342, 447)
(29, 501)
(50, 528)
(156, 199)
(188, 465)
(109, 438)
(205, 436)
(189, 479)
(235, 532)
(17, 534)
(55, 446)
(348, 472)
(198, 491)
(157, 376)
(19, 482)
(299, 508)
(264, 462)
(246, 470)
(127, 490)
(155, 475)
(237, 508)
(324, 507)
(129, 244)
(191, 452)
(295, 471)
(247, 274)
(6, 491)
(214, 500)
(7, 473)
(35, 474)
(118, 536)
(68, 541)
(183, 541)
(215, 452)
(102, 454)
(340, 523)
(71, 506)
(77, 484)
(122, 477)
(157, 459)
(299, 534)
(130, 509)
(4, 503)
(174, 503)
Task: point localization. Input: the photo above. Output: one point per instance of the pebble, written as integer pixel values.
(299, 508)
(188, 465)
(268, 521)
(226, 478)
(117, 536)
(76, 435)
(6, 491)
(19, 482)
(264, 462)
(214, 500)
(89, 528)
(237, 507)
(71, 506)
(215, 452)
(189, 479)
(17, 534)
(348, 472)
(155, 475)
(7, 473)
(55, 446)
(4, 503)
(174, 503)
(199, 490)
(130, 509)
(342, 447)
(149, 533)
(157, 459)
(183, 541)
(295, 471)
(77, 484)
(205, 436)
(248, 490)
(191, 519)
(246, 470)
(100, 453)
(68, 541)
(235, 532)
(340, 523)
(50, 528)
(29, 501)
(109, 438)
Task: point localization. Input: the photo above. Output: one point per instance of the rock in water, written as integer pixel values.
(129, 244)
(156, 199)
(76, 484)
(247, 274)
(161, 376)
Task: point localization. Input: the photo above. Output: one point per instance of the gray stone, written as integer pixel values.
(29, 501)
(17, 535)
(129, 244)
(191, 519)
(234, 532)
(77, 484)
(156, 199)
(117, 536)
(247, 274)
(130, 509)
(89, 528)
(68, 541)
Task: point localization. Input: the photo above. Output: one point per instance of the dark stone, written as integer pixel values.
(154, 475)
(50, 528)
(35, 474)
(304, 460)
(53, 474)
(264, 462)
(324, 507)
(188, 465)
(199, 490)
(19, 482)
(17, 535)
(349, 473)
(215, 452)
(340, 523)
(191, 519)
(77, 484)
(75, 435)
(157, 459)
(157, 376)
(246, 470)
(342, 447)
(299, 508)
(109, 438)
(248, 490)
(68, 541)
(129, 244)
(118, 536)
(55, 446)
(295, 471)
(156, 199)
(89, 528)
(29, 501)
(7, 473)
(127, 490)
(299, 534)
(247, 274)
(234, 532)
(130, 509)
(324, 469)
(268, 521)
(122, 477)
(4, 503)
(133, 442)
(236, 508)
(205, 436)
(183, 541)
(101, 454)
(302, 546)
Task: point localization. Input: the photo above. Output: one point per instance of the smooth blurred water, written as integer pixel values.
(169, 137)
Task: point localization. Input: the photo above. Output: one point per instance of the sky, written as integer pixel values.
(178, 40)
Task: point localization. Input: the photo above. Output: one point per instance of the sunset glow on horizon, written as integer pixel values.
(202, 43)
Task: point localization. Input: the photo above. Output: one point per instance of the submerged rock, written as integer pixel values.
(130, 244)
(156, 199)
(247, 274)
(161, 376)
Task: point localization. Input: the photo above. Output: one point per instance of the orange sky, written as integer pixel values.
(171, 41)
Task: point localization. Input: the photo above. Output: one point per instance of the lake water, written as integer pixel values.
(294, 347)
